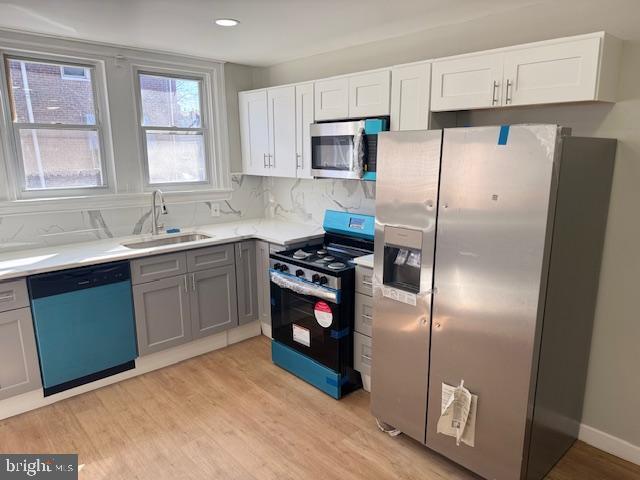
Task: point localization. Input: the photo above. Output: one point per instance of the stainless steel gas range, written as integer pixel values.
(312, 304)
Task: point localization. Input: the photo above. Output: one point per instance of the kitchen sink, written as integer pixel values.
(172, 240)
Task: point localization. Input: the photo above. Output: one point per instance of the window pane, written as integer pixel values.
(176, 157)
(170, 102)
(41, 93)
(60, 158)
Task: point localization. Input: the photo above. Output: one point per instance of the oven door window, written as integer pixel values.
(297, 321)
(332, 152)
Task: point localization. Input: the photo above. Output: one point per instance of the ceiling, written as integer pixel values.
(271, 32)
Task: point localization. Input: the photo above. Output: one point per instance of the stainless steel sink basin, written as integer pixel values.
(171, 240)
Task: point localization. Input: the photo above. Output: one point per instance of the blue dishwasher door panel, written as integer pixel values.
(84, 331)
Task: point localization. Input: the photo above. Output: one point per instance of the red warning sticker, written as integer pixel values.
(323, 314)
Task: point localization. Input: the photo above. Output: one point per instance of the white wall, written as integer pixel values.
(613, 389)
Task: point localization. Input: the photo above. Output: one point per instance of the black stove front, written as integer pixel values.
(312, 312)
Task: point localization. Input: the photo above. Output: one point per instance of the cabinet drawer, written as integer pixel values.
(13, 294)
(210, 257)
(362, 353)
(364, 314)
(161, 266)
(364, 280)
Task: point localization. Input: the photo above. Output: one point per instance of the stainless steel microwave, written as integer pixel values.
(338, 149)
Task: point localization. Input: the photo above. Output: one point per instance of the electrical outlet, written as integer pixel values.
(215, 209)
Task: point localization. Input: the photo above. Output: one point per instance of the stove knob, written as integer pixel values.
(276, 266)
(315, 278)
(299, 273)
(323, 280)
(284, 268)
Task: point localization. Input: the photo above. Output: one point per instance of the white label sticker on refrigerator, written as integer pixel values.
(399, 296)
(301, 335)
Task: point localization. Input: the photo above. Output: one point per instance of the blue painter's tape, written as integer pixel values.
(504, 135)
(338, 334)
(307, 369)
(369, 176)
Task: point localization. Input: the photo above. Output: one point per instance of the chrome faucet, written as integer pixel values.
(155, 228)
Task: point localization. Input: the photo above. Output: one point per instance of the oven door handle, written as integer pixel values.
(303, 287)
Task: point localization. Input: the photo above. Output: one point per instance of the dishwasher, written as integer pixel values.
(84, 324)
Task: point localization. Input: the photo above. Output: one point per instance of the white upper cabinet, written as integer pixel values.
(473, 81)
(254, 132)
(354, 96)
(369, 94)
(410, 90)
(564, 72)
(332, 99)
(576, 69)
(304, 119)
(281, 159)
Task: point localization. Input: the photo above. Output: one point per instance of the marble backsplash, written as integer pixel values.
(295, 200)
(19, 232)
(302, 200)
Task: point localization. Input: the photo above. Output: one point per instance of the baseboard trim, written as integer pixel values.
(610, 444)
(35, 399)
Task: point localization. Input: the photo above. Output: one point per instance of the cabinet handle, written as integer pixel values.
(366, 357)
(7, 298)
(508, 98)
(272, 165)
(264, 157)
(368, 284)
(298, 161)
(367, 317)
(186, 287)
(193, 282)
(494, 98)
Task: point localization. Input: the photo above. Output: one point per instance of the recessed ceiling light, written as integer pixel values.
(227, 22)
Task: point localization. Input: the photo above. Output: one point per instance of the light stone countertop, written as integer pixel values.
(365, 261)
(47, 259)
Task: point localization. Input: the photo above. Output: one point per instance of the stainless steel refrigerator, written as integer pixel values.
(488, 243)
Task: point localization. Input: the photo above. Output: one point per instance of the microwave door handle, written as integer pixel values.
(357, 162)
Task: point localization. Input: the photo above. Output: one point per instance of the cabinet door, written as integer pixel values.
(369, 94)
(331, 99)
(263, 286)
(214, 306)
(467, 83)
(254, 132)
(282, 132)
(304, 118)
(247, 282)
(561, 72)
(162, 314)
(410, 91)
(19, 372)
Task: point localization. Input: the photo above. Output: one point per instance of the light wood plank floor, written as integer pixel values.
(232, 414)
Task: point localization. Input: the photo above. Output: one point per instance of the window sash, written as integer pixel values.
(203, 129)
(147, 176)
(18, 161)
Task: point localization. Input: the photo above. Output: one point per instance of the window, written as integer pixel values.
(58, 140)
(69, 72)
(172, 128)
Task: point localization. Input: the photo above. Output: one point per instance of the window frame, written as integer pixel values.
(206, 127)
(15, 165)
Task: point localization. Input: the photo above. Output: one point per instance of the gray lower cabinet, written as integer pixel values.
(214, 304)
(263, 285)
(19, 371)
(247, 282)
(162, 311)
